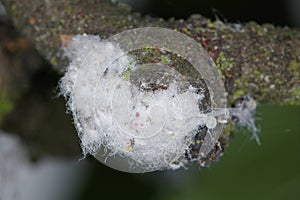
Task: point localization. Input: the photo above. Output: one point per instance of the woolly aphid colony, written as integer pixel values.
(135, 116)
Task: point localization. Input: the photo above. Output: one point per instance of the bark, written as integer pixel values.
(262, 60)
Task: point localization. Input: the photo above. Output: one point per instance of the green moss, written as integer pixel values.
(294, 65)
(69, 10)
(14, 7)
(295, 99)
(218, 25)
(228, 130)
(260, 31)
(6, 104)
(122, 22)
(296, 92)
(124, 7)
(126, 74)
(164, 59)
(239, 92)
(294, 68)
(186, 31)
(224, 64)
(53, 61)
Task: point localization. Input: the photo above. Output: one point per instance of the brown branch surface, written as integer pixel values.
(260, 60)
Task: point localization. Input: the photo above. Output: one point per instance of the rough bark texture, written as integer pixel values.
(262, 60)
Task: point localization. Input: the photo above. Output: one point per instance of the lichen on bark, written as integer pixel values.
(261, 60)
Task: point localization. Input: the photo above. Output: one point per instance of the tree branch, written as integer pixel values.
(262, 60)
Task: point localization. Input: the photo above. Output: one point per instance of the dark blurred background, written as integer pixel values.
(246, 171)
(279, 12)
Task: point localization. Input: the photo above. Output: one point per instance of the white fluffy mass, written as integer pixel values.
(152, 129)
